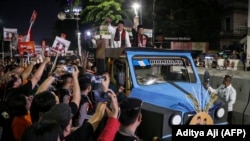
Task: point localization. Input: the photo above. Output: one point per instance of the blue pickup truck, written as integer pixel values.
(170, 87)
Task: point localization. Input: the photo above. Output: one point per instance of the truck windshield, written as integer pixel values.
(155, 70)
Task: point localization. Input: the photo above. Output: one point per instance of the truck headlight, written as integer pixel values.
(175, 119)
(220, 112)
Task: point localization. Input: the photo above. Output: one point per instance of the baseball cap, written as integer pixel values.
(130, 109)
(61, 113)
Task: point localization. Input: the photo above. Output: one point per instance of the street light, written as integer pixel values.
(136, 6)
(73, 14)
(88, 33)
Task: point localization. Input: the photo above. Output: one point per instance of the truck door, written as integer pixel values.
(120, 75)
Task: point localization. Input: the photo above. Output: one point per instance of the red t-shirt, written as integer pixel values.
(109, 132)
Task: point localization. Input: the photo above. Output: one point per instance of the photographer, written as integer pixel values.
(119, 91)
(60, 70)
(91, 90)
(86, 107)
(112, 124)
(64, 89)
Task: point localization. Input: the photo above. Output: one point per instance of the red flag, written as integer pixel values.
(28, 36)
(33, 16)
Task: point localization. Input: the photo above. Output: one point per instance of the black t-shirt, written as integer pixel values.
(24, 89)
(62, 94)
(73, 107)
(6, 122)
(83, 133)
(91, 109)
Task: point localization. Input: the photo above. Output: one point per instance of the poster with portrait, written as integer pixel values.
(26, 48)
(38, 49)
(14, 41)
(60, 45)
(9, 33)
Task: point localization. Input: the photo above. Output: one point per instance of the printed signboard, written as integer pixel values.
(61, 45)
(26, 48)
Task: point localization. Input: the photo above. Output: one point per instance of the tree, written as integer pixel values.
(96, 11)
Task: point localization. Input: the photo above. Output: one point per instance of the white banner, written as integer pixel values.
(61, 45)
(9, 33)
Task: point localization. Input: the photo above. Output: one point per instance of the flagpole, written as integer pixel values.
(28, 34)
(3, 51)
(10, 50)
(54, 63)
(28, 58)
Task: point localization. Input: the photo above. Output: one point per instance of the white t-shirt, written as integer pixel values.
(117, 44)
(227, 93)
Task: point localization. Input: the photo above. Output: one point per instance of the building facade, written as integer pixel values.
(233, 24)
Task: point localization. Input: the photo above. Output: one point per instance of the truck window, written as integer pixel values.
(154, 70)
(119, 72)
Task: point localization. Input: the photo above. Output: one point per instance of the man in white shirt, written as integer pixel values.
(227, 92)
(119, 36)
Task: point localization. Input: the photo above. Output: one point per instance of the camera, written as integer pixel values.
(97, 79)
(97, 82)
(69, 69)
(101, 96)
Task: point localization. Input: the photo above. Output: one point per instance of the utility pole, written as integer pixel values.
(153, 31)
(141, 13)
(248, 38)
(72, 13)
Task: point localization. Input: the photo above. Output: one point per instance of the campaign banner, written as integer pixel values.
(203, 46)
(26, 48)
(38, 50)
(14, 41)
(104, 31)
(9, 33)
(60, 45)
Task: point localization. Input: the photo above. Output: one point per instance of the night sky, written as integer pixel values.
(17, 13)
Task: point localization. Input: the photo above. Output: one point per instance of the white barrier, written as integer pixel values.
(235, 64)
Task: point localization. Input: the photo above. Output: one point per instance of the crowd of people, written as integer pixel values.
(41, 103)
(229, 61)
(58, 100)
(38, 102)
